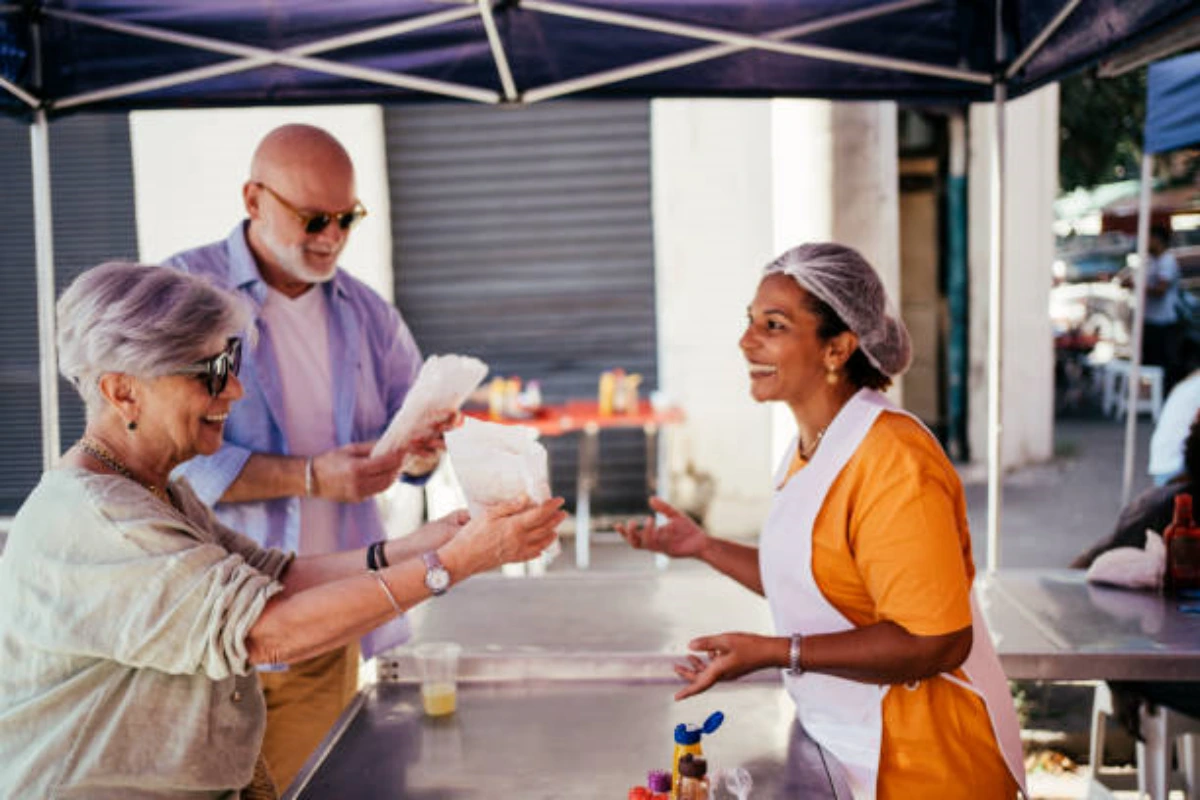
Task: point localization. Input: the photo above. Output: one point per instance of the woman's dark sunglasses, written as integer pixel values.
(316, 221)
(215, 370)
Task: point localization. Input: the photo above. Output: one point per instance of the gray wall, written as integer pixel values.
(92, 186)
(525, 238)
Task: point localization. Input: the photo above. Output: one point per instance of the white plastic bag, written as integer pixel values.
(495, 463)
(1131, 566)
(442, 385)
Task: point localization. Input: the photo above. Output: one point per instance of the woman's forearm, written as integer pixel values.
(300, 624)
(884, 653)
(738, 561)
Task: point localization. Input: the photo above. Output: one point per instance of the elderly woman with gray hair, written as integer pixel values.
(865, 556)
(131, 620)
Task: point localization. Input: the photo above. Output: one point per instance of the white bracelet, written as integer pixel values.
(794, 668)
(388, 591)
(308, 477)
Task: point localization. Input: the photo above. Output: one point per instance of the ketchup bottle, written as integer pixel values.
(1182, 539)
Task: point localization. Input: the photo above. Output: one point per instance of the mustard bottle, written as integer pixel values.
(687, 741)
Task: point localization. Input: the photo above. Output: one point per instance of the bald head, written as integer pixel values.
(292, 150)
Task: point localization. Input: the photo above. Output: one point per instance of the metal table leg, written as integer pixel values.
(588, 446)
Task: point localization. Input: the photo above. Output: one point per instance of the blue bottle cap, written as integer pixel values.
(690, 734)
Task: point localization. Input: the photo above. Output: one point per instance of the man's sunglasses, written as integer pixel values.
(316, 221)
(215, 370)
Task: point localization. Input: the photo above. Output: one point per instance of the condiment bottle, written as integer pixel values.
(607, 390)
(1182, 540)
(693, 778)
(687, 742)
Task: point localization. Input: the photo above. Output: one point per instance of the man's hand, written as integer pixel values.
(421, 456)
(350, 475)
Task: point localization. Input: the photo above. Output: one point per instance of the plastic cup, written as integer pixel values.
(438, 666)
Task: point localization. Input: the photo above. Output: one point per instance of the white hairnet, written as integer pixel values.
(840, 277)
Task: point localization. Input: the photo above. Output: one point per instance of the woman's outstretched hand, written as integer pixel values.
(679, 536)
(517, 530)
(726, 657)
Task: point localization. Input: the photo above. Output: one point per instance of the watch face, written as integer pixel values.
(437, 578)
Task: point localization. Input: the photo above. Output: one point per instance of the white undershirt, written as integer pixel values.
(299, 331)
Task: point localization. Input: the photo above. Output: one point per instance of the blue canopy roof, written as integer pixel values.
(121, 54)
(1173, 104)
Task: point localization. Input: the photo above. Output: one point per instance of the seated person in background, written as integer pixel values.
(1152, 509)
(1166, 444)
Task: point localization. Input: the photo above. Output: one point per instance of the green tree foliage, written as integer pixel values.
(1100, 128)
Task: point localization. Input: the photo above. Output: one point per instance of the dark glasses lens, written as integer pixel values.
(214, 371)
(346, 220)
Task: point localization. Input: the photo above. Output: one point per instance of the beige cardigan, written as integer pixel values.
(123, 662)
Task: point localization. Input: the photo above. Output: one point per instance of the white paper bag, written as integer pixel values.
(495, 463)
(1131, 566)
(442, 385)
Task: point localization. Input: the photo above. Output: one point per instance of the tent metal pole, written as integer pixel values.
(753, 42)
(1041, 38)
(184, 77)
(22, 95)
(365, 74)
(1139, 316)
(498, 54)
(996, 313)
(39, 141)
(710, 53)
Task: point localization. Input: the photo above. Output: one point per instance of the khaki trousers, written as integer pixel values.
(303, 702)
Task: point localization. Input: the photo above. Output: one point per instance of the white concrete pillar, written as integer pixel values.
(1031, 176)
(735, 183)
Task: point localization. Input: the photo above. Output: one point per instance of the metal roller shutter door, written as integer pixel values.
(525, 238)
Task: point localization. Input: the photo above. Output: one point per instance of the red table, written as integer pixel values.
(584, 416)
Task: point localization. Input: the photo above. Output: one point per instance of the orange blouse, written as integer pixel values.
(891, 542)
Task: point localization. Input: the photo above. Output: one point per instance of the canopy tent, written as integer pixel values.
(1172, 122)
(57, 56)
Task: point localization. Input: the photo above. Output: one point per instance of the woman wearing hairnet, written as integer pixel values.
(865, 556)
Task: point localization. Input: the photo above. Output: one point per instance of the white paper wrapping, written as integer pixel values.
(442, 385)
(495, 463)
(1131, 566)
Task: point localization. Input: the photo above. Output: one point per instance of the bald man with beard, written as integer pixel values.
(332, 364)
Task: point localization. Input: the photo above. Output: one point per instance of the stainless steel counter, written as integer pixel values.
(1053, 625)
(567, 682)
(553, 741)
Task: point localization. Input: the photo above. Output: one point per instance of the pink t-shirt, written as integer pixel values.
(299, 329)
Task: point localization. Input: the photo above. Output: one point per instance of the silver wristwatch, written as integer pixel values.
(437, 578)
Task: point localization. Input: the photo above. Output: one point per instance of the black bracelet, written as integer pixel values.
(376, 558)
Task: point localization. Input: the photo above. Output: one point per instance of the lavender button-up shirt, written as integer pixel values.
(375, 361)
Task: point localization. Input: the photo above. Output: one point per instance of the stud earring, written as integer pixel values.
(831, 377)
(131, 425)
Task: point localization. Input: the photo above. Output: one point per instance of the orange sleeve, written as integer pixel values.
(905, 533)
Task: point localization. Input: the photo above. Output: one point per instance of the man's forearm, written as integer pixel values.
(267, 477)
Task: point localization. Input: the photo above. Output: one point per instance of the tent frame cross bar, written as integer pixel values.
(243, 65)
(365, 74)
(710, 53)
(22, 95)
(498, 54)
(749, 42)
(1042, 38)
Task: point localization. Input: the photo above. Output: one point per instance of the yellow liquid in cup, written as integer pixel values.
(440, 699)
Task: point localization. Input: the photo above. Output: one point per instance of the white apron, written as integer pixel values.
(844, 716)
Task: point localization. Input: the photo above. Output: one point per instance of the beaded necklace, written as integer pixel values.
(105, 456)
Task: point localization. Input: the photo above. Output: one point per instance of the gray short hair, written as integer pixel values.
(141, 320)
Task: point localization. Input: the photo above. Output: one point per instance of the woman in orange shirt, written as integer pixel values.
(865, 556)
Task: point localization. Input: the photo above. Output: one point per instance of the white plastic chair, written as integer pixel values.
(1115, 397)
(1163, 731)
